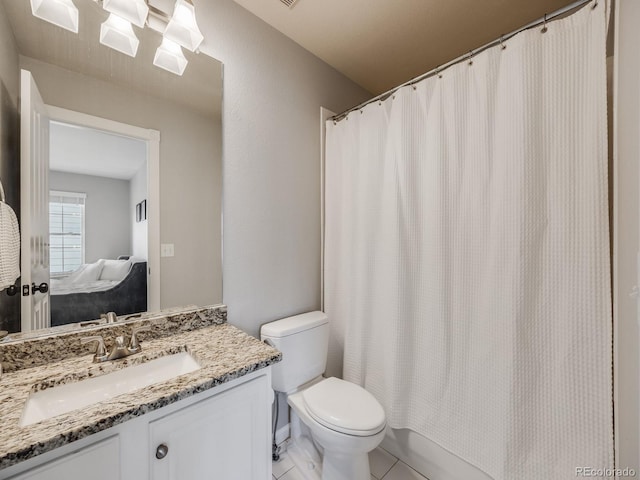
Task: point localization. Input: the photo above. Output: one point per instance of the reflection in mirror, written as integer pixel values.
(134, 180)
(98, 237)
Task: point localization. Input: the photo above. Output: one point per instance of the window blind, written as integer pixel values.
(66, 231)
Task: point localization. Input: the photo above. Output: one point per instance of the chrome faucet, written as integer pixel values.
(101, 351)
(110, 317)
(119, 349)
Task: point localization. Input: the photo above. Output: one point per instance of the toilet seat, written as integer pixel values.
(344, 407)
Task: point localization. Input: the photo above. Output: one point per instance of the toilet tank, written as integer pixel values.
(303, 341)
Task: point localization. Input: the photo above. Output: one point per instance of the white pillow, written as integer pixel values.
(115, 270)
(73, 275)
(90, 273)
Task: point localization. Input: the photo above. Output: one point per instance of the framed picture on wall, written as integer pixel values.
(139, 212)
(143, 210)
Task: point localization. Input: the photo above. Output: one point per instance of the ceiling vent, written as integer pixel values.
(289, 3)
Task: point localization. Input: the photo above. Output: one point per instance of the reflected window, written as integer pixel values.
(66, 231)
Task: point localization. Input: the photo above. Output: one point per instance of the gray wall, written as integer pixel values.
(9, 150)
(190, 184)
(107, 212)
(139, 234)
(273, 91)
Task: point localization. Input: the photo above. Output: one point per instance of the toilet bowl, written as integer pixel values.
(345, 420)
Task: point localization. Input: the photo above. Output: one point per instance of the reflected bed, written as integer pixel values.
(85, 294)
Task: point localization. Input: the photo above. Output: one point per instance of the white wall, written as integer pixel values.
(137, 193)
(626, 237)
(107, 212)
(273, 91)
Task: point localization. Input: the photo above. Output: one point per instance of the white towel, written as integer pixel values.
(9, 247)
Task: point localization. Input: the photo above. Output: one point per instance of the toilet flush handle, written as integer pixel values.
(269, 342)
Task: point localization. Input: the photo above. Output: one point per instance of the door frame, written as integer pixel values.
(152, 139)
(626, 234)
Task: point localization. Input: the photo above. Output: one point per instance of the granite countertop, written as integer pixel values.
(223, 351)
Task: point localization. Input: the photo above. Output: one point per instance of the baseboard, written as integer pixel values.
(282, 434)
(428, 458)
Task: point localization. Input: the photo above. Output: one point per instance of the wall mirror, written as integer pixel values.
(134, 178)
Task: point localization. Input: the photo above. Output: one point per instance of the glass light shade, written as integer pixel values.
(170, 57)
(182, 27)
(117, 33)
(62, 13)
(135, 11)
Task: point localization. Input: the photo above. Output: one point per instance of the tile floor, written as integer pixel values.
(384, 466)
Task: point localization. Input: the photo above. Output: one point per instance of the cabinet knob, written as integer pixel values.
(161, 451)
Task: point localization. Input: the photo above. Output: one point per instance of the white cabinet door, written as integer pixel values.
(100, 461)
(224, 437)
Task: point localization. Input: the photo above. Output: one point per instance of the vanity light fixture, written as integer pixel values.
(117, 33)
(179, 29)
(170, 57)
(62, 13)
(135, 11)
(183, 28)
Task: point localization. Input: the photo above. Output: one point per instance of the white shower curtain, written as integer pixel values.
(467, 254)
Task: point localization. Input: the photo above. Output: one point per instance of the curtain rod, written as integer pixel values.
(468, 56)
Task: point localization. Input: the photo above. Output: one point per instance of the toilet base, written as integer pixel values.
(317, 463)
(310, 468)
(334, 466)
(303, 451)
(338, 466)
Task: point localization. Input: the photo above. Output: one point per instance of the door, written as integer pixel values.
(100, 461)
(34, 211)
(226, 436)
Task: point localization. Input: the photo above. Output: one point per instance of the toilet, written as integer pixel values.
(344, 421)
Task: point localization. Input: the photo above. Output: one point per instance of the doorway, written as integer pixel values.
(121, 193)
(97, 218)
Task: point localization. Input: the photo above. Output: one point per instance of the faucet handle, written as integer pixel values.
(134, 345)
(109, 317)
(101, 350)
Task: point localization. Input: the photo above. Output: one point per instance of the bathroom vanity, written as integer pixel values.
(212, 413)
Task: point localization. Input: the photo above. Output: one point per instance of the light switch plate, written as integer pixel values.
(166, 250)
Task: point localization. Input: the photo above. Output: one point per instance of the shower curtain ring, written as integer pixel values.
(502, 44)
(471, 57)
(544, 20)
(595, 4)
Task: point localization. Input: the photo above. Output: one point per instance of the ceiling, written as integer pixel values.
(380, 44)
(86, 151)
(200, 88)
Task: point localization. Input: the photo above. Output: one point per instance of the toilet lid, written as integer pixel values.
(344, 407)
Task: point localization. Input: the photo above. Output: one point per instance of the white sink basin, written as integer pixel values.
(65, 398)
